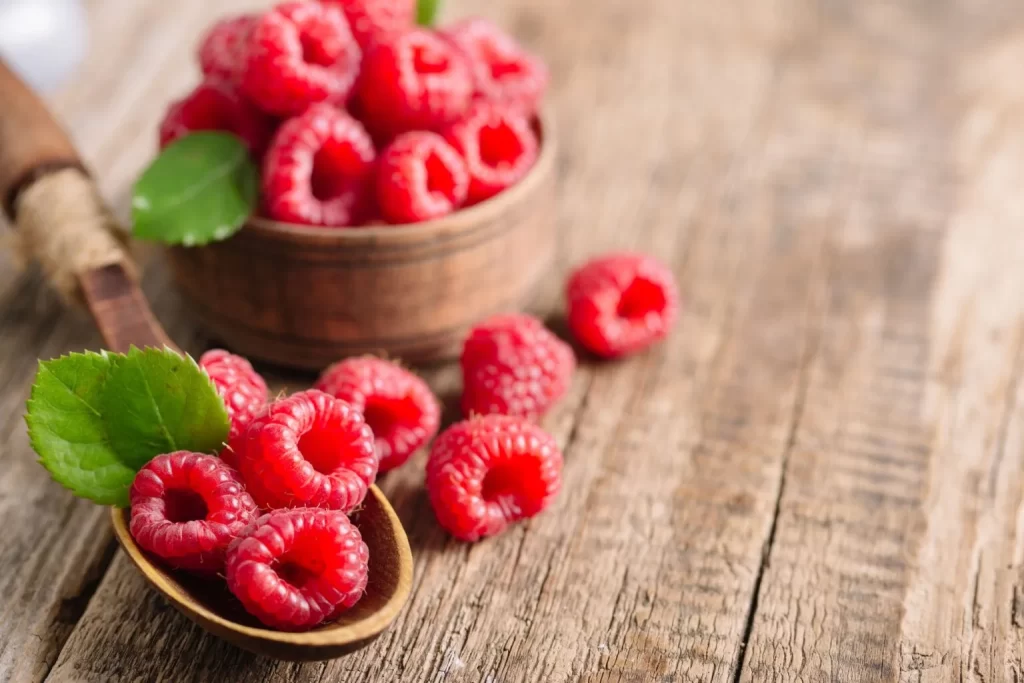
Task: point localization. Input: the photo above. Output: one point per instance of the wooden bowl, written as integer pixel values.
(208, 602)
(304, 297)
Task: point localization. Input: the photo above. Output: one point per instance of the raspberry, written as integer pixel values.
(215, 105)
(243, 390)
(373, 21)
(512, 365)
(309, 449)
(294, 569)
(186, 509)
(300, 53)
(318, 169)
(397, 405)
(503, 71)
(498, 145)
(414, 81)
(222, 51)
(488, 472)
(420, 177)
(621, 303)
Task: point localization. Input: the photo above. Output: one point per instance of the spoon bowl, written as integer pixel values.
(210, 604)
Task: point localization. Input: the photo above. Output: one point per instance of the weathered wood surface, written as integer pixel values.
(819, 478)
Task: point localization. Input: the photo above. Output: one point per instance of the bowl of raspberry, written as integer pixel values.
(406, 181)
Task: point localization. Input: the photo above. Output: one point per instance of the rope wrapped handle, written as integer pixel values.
(60, 220)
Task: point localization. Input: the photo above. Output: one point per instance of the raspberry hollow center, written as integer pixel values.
(499, 145)
(320, 447)
(440, 179)
(385, 415)
(334, 166)
(313, 51)
(641, 298)
(509, 484)
(429, 61)
(181, 505)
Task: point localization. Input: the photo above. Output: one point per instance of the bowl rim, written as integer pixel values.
(460, 221)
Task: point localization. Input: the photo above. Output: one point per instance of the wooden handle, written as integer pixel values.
(32, 143)
(63, 222)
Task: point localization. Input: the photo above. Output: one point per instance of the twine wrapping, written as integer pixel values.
(64, 225)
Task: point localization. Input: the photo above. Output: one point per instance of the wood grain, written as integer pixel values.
(818, 478)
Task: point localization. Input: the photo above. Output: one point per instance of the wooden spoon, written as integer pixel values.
(64, 223)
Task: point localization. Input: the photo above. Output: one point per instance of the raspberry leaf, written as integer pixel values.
(66, 429)
(95, 419)
(426, 12)
(201, 188)
(156, 401)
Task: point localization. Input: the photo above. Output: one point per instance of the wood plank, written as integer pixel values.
(897, 554)
(573, 592)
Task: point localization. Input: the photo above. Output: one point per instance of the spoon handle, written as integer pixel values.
(62, 222)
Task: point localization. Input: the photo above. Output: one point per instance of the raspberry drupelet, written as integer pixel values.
(216, 105)
(222, 49)
(308, 450)
(187, 507)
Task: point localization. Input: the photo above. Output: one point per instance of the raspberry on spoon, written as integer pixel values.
(308, 450)
(242, 389)
(186, 509)
(397, 405)
(294, 569)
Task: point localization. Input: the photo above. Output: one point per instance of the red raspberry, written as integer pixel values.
(498, 145)
(318, 169)
(512, 365)
(243, 390)
(488, 472)
(397, 405)
(414, 81)
(222, 51)
(215, 105)
(373, 21)
(503, 71)
(309, 449)
(420, 177)
(186, 509)
(621, 303)
(294, 569)
(300, 53)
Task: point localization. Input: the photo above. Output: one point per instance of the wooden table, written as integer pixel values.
(818, 478)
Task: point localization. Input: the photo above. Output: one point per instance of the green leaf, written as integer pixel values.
(426, 12)
(201, 188)
(156, 401)
(95, 419)
(66, 429)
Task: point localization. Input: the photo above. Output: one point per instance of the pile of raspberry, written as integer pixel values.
(270, 512)
(357, 116)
